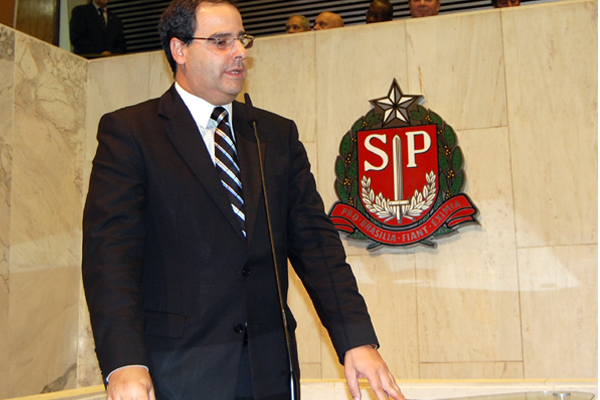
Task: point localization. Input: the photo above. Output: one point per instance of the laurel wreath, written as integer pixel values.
(381, 207)
(450, 175)
(450, 158)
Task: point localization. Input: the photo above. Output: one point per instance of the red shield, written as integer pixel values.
(398, 172)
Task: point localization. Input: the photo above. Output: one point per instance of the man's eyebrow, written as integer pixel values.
(223, 34)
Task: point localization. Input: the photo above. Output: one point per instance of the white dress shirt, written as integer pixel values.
(201, 111)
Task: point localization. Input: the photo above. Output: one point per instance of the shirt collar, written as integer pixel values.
(200, 109)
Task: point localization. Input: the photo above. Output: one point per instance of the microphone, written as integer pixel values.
(250, 114)
(294, 384)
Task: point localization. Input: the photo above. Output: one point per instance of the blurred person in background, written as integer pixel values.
(380, 11)
(506, 3)
(95, 31)
(328, 20)
(297, 24)
(424, 8)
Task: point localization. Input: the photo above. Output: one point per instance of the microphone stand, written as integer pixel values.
(294, 384)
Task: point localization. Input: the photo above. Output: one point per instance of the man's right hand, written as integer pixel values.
(130, 383)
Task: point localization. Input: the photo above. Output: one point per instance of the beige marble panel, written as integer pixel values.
(387, 282)
(472, 370)
(160, 76)
(7, 45)
(281, 79)
(467, 288)
(5, 176)
(551, 57)
(5, 202)
(559, 303)
(4, 336)
(456, 62)
(113, 83)
(47, 155)
(43, 322)
(354, 65)
(4, 379)
(7, 54)
(310, 370)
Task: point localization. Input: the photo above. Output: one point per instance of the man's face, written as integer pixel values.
(377, 13)
(101, 3)
(424, 8)
(212, 74)
(294, 25)
(326, 20)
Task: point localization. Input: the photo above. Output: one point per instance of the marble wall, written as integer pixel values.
(41, 148)
(514, 297)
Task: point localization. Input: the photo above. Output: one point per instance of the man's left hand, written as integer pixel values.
(365, 362)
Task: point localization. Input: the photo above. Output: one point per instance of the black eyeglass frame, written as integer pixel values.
(226, 42)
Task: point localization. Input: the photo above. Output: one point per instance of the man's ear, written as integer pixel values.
(178, 51)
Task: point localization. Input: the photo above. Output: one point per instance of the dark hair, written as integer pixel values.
(390, 9)
(179, 21)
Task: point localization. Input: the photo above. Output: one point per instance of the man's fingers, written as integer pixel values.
(352, 382)
(377, 387)
(391, 387)
(384, 386)
(395, 393)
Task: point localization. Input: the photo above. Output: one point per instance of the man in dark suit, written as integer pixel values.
(95, 31)
(178, 271)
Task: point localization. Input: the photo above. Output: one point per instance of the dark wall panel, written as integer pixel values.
(7, 12)
(38, 18)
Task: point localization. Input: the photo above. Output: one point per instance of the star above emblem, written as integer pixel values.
(395, 105)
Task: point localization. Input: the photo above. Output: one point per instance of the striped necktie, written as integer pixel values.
(227, 163)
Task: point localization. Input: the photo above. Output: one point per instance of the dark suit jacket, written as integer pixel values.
(89, 37)
(170, 279)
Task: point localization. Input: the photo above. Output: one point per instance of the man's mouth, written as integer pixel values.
(237, 71)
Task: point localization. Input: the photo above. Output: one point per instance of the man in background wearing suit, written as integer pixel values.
(95, 31)
(177, 264)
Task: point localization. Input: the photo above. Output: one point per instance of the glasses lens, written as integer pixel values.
(247, 41)
(223, 43)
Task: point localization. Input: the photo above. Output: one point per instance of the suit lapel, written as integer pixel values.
(249, 165)
(183, 133)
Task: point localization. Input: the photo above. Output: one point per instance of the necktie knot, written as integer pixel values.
(219, 114)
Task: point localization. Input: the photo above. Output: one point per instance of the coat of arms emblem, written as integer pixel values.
(399, 175)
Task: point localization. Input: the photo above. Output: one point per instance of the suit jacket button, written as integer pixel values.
(246, 272)
(238, 328)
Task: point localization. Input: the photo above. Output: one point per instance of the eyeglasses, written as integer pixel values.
(226, 42)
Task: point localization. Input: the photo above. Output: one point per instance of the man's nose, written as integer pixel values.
(238, 50)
